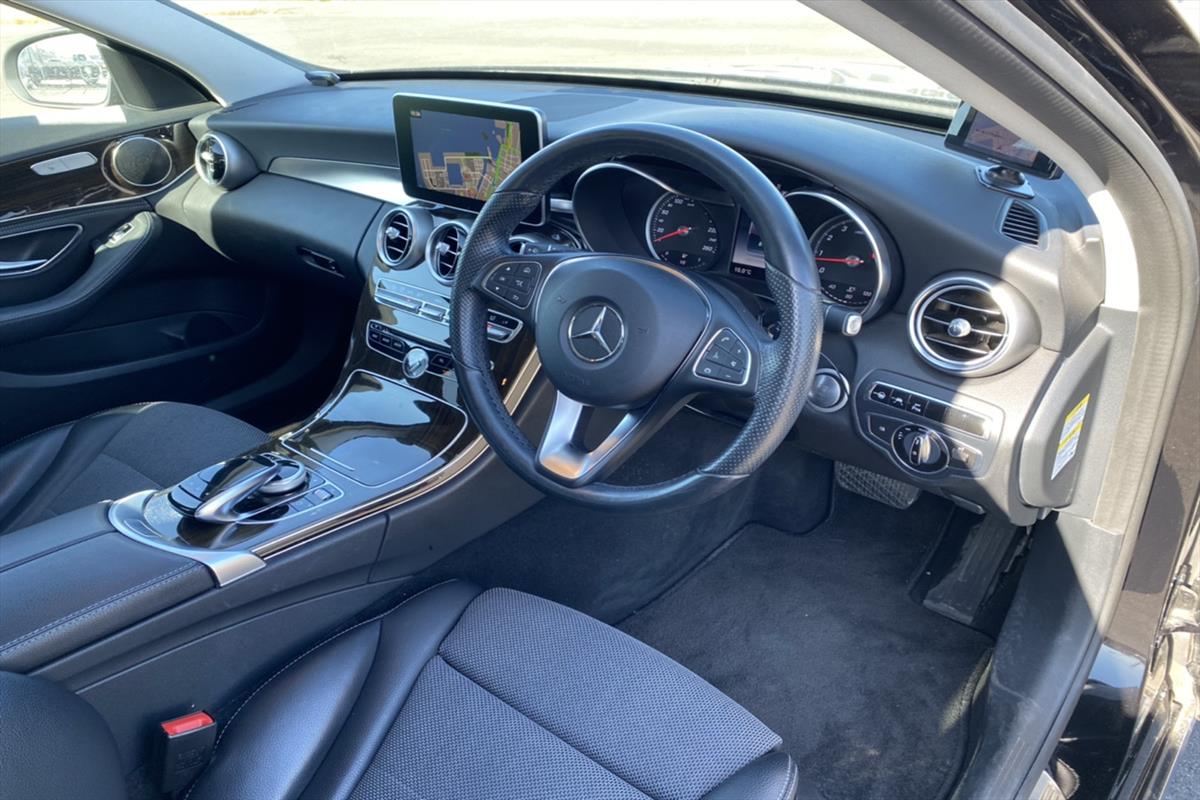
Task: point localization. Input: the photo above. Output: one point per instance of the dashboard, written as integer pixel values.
(975, 302)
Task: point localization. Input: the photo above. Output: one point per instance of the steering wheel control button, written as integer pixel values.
(514, 281)
(416, 363)
(726, 359)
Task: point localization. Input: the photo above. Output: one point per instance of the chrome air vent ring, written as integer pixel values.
(221, 161)
(443, 249)
(971, 324)
(396, 241)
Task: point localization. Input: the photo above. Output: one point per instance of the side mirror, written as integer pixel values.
(60, 69)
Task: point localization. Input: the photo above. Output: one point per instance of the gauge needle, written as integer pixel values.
(853, 261)
(676, 232)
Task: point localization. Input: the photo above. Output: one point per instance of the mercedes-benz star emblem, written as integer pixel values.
(596, 332)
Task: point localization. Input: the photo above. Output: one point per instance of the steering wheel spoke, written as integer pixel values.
(563, 455)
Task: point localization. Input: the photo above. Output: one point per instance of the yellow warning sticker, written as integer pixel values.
(1068, 440)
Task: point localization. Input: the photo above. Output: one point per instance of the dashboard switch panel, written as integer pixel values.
(925, 429)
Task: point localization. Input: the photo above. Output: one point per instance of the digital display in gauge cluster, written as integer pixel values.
(852, 253)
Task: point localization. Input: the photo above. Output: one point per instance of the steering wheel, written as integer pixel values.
(632, 334)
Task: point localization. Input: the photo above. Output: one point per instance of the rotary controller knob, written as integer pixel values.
(920, 449)
(416, 362)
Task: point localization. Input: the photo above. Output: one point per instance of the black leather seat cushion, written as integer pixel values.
(112, 454)
(463, 695)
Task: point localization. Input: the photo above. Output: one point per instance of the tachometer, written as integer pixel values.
(847, 262)
(680, 231)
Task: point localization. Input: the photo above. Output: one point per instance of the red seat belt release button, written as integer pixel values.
(185, 745)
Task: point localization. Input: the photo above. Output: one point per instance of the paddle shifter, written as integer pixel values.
(240, 488)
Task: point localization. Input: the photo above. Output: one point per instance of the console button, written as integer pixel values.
(917, 404)
(879, 393)
(440, 362)
(882, 427)
(898, 399)
(966, 421)
(936, 411)
(963, 457)
(416, 362)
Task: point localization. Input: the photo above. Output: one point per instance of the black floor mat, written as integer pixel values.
(818, 637)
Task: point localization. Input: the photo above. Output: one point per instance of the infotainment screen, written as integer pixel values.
(974, 132)
(456, 152)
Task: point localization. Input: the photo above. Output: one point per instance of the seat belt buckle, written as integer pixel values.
(184, 746)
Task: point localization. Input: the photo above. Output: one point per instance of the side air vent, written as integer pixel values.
(221, 161)
(444, 247)
(395, 238)
(970, 324)
(1022, 223)
(211, 162)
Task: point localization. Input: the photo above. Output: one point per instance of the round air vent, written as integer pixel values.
(971, 324)
(443, 249)
(396, 234)
(211, 161)
(220, 161)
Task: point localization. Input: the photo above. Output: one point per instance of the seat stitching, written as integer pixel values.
(621, 778)
(97, 606)
(292, 663)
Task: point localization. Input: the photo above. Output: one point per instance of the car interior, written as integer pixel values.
(676, 445)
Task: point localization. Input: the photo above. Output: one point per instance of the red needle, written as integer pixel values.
(852, 260)
(677, 232)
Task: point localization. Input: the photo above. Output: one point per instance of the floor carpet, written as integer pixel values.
(818, 637)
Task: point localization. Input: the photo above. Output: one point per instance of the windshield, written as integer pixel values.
(764, 45)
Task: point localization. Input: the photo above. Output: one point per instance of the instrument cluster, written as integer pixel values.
(679, 218)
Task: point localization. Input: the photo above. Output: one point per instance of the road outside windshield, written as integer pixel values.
(765, 45)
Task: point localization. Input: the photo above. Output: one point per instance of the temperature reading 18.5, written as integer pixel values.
(680, 231)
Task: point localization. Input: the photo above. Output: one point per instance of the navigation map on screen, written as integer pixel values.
(463, 155)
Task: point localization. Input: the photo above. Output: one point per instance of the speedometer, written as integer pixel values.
(680, 231)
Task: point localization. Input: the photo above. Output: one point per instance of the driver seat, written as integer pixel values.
(457, 694)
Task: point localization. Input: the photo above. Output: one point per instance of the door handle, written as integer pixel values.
(13, 267)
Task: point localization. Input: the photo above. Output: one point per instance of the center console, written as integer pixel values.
(395, 427)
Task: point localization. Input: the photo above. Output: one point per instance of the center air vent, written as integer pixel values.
(971, 324)
(444, 247)
(1022, 223)
(395, 238)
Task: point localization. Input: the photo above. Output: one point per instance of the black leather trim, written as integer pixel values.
(357, 682)
(771, 777)
(80, 592)
(53, 744)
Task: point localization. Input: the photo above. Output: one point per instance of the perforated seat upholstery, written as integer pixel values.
(499, 695)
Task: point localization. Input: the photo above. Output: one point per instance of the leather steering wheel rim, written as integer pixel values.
(786, 365)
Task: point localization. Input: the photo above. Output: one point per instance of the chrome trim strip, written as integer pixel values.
(369, 180)
(226, 566)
